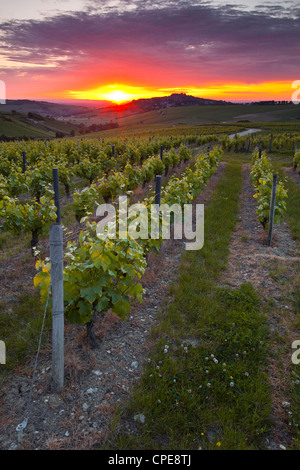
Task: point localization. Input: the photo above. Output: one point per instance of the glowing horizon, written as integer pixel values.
(119, 93)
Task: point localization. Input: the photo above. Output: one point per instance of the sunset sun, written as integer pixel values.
(117, 96)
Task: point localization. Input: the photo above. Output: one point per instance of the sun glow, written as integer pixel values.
(120, 93)
(118, 96)
(117, 93)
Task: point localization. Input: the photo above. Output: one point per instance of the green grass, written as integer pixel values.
(293, 206)
(19, 125)
(293, 219)
(208, 388)
(274, 118)
(16, 128)
(20, 326)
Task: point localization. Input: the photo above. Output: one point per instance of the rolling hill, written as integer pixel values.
(38, 119)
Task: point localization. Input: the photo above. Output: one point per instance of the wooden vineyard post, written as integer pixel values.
(161, 152)
(272, 210)
(24, 161)
(56, 259)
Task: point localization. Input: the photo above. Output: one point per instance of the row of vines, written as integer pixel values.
(102, 274)
(104, 169)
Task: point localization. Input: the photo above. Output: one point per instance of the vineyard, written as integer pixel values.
(165, 348)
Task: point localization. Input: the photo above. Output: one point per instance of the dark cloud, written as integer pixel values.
(198, 40)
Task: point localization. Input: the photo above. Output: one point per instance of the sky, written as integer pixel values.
(118, 50)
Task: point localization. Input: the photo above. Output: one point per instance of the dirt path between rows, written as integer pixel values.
(96, 381)
(271, 270)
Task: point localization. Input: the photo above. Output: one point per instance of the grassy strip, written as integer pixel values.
(205, 385)
(20, 326)
(293, 219)
(292, 213)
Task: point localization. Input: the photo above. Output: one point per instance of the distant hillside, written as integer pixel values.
(176, 100)
(73, 108)
(44, 108)
(14, 124)
(43, 119)
(117, 112)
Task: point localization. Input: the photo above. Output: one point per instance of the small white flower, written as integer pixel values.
(231, 384)
(247, 374)
(209, 385)
(216, 361)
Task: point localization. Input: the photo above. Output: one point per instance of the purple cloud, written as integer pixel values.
(197, 42)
